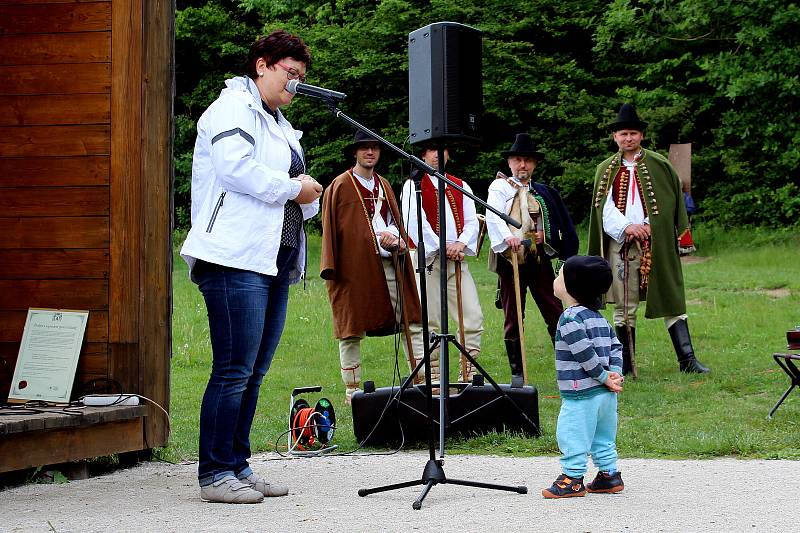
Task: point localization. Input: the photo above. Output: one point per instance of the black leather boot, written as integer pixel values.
(514, 352)
(622, 335)
(679, 333)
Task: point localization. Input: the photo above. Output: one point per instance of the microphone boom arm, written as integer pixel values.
(416, 161)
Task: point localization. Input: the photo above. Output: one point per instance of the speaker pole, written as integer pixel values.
(444, 344)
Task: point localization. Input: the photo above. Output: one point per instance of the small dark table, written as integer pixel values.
(786, 362)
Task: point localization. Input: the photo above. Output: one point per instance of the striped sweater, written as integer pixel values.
(586, 350)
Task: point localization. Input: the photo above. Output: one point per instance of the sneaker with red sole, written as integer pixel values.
(605, 483)
(565, 487)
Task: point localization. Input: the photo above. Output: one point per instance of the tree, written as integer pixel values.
(722, 74)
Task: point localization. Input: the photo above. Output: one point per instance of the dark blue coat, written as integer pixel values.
(563, 237)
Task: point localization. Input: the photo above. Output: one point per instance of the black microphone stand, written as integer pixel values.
(433, 472)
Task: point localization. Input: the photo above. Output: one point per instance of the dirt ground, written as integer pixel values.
(709, 495)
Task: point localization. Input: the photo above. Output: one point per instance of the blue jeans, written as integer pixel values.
(588, 426)
(246, 315)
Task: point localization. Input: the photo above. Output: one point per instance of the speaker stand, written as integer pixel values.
(433, 473)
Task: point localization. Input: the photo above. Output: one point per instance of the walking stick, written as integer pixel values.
(520, 321)
(481, 233)
(631, 348)
(412, 362)
(464, 363)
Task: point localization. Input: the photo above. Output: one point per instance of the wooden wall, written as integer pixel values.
(85, 181)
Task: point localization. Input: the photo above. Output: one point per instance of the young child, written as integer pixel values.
(589, 373)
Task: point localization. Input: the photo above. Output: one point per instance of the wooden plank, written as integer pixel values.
(92, 363)
(13, 322)
(156, 256)
(23, 141)
(124, 362)
(37, 448)
(54, 171)
(13, 423)
(126, 176)
(91, 294)
(55, 264)
(58, 18)
(55, 201)
(29, 2)
(54, 232)
(54, 49)
(48, 110)
(66, 79)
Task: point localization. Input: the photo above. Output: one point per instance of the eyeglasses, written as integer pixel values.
(292, 73)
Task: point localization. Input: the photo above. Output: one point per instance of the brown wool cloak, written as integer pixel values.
(352, 267)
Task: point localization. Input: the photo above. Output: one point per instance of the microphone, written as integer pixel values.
(295, 87)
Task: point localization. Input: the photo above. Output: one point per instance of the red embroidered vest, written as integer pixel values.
(430, 203)
(621, 188)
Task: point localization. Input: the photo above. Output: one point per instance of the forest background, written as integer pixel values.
(721, 74)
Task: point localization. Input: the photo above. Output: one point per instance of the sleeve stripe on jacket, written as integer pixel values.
(234, 131)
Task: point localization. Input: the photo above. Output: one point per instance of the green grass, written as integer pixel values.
(741, 300)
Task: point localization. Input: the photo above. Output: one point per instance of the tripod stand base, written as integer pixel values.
(434, 475)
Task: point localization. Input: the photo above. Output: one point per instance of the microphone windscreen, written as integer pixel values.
(292, 86)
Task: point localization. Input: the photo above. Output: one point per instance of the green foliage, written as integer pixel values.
(722, 74)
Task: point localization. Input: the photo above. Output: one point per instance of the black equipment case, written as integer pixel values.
(471, 410)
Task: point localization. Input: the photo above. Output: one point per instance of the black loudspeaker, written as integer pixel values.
(472, 410)
(445, 91)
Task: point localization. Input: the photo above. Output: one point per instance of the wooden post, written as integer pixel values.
(680, 155)
(520, 320)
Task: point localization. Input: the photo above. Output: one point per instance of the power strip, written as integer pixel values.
(100, 400)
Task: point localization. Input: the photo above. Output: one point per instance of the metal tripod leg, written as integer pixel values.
(434, 475)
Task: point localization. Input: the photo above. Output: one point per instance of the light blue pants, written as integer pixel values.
(588, 426)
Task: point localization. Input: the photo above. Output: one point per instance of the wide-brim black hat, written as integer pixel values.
(627, 119)
(358, 138)
(523, 145)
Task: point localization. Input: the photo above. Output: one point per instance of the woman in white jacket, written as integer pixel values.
(250, 196)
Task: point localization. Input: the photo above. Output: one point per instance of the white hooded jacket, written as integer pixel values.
(240, 183)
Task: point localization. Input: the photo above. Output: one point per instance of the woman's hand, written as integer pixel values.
(310, 189)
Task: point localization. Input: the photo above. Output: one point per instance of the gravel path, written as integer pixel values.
(710, 495)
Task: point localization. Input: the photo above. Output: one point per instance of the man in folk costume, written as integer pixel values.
(637, 219)
(461, 229)
(369, 278)
(548, 226)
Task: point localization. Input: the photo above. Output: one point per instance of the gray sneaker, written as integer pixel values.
(230, 490)
(263, 486)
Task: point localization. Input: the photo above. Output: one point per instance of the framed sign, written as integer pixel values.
(48, 355)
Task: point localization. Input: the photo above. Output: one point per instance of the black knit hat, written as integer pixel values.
(587, 278)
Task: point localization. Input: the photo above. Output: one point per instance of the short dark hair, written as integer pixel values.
(274, 47)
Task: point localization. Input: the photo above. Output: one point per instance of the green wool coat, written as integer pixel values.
(668, 221)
